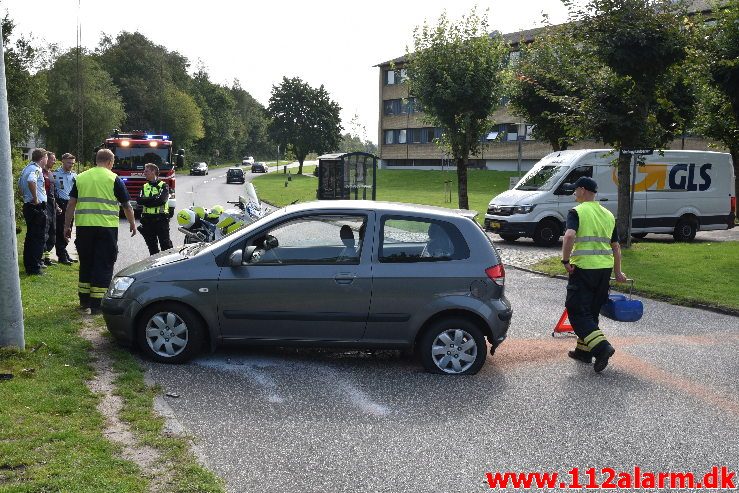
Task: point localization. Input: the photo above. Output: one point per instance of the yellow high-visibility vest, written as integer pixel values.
(96, 201)
(150, 191)
(593, 241)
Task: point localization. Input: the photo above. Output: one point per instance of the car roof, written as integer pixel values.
(373, 205)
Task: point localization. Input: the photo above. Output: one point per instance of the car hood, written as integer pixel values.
(143, 267)
(516, 197)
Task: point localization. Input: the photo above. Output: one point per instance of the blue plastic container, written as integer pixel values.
(622, 309)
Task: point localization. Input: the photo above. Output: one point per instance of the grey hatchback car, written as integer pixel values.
(351, 274)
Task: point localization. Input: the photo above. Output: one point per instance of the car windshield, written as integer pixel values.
(543, 178)
(134, 158)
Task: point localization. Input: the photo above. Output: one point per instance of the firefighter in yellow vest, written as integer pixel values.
(155, 213)
(93, 204)
(591, 230)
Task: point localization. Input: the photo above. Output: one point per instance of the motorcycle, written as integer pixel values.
(205, 225)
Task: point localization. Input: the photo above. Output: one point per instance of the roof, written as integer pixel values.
(363, 205)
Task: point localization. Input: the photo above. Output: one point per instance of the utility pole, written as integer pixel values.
(11, 309)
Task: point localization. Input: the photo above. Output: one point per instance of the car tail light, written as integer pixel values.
(497, 274)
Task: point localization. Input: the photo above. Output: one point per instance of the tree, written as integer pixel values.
(142, 71)
(253, 139)
(637, 42)
(102, 104)
(717, 64)
(26, 91)
(304, 117)
(547, 84)
(455, 71)
(218, 107)
(182, 118)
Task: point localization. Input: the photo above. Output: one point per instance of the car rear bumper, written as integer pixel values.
(120, 316)
(502, 321)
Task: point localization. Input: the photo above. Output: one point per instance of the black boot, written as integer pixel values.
(601, 359)
(581, 356)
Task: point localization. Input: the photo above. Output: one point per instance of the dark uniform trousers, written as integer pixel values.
(98, 250)
(50, 234)
(61, 240)
(587, 291)
(155, 230)
(33, 246)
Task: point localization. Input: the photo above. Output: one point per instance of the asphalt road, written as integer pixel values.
(315, 420)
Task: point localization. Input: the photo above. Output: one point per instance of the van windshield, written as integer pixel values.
(542, 179)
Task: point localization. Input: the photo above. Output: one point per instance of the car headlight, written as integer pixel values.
(523, 209)
(119, 286)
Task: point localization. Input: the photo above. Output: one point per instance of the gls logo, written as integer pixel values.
(679, 180)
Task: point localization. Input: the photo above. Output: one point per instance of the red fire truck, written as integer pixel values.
(135, 149)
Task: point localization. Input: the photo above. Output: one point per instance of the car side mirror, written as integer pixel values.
(241, 257)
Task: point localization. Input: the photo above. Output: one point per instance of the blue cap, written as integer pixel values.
(587, 183)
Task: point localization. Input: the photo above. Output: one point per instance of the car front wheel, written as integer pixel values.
(453, 346)
(170, 333)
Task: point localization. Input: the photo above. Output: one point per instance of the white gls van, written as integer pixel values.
(679, 192)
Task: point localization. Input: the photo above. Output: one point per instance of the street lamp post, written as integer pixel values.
(520, 137)
(278, 157)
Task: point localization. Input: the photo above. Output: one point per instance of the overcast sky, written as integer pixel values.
(334, 43)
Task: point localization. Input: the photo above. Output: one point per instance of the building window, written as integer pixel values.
(401, 137)
(389, 137)
(388, 107)
(415, 135)
(393, 77)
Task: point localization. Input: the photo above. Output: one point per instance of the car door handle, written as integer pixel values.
(344, 278)
(604, 200)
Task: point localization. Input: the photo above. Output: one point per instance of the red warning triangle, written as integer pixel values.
(564, 324)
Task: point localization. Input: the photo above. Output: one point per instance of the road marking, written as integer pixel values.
(253, 368)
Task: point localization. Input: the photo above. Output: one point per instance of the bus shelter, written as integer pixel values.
(348, 175)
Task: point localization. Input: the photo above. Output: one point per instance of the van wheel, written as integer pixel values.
(453, 346)
(510, 238)
(170, 333)
(546, 233)
(639, 235)
(685, 229)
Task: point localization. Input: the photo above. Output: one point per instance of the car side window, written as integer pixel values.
(318, 239)
(406, 240)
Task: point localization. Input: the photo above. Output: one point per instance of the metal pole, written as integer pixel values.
(518, 168)
(11, 309)
(278, 157)
(631, 207)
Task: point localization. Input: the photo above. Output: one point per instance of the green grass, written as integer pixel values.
(682, 273)
(410, 186)
(50, 430)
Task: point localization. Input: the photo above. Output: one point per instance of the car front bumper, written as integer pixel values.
(120, 315)
(504, 226)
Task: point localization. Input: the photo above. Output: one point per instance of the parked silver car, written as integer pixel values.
(358, 274)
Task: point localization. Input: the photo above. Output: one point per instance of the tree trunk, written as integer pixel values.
(735, 157)
(462, 183)
(624, 199)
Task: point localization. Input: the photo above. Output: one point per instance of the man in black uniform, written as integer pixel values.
(591, 230)
(155, 214)
(94, 205)
(52, 209)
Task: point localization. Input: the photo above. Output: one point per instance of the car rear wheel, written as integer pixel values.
(170, 333)
(453, 346)
(685, 229)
